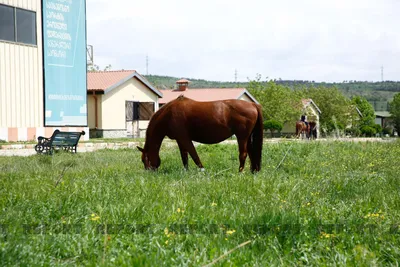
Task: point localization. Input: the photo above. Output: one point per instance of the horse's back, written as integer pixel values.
(212, 121)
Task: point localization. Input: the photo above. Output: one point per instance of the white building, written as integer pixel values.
(42, 68)
(120, 103)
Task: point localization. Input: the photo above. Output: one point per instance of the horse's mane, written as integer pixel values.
(158, 115)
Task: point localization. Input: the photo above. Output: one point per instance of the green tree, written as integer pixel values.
(273, 126)
(95, 67)
(395, 111)
(366, 109)
(280, 103)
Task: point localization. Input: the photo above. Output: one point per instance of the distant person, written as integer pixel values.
(303, 119)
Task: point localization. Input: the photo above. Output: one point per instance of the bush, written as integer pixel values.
(387, 130)
(368, 130)
(273, 126)
(377, 127)
(353, 131)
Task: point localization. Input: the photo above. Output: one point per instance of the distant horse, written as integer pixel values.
(313, 129)
(302, 129)
(186, 120)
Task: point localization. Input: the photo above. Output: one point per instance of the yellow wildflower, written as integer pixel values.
(94, 217)
(230, 232)
(179, 210)
(213, 204)
(326, 235)
(378, 215)
(166, 242)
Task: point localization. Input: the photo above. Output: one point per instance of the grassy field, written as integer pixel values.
(328, 203)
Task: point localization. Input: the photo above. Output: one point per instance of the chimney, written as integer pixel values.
(182, 85)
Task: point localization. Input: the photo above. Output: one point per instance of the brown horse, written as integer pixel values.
(313, 129)
(186, 120)
(302, 129)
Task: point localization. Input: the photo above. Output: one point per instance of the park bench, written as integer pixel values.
(66, 141)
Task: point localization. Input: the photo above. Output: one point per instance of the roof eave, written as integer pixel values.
(133, 75)
(245, 92)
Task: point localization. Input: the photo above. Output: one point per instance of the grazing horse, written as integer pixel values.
(186, 120)
(302, 129)
(313, 129)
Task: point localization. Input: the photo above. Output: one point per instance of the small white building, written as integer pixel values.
(120, 103)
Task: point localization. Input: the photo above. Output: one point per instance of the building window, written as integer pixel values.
(17, 25)
(138, 110)
(7, 23)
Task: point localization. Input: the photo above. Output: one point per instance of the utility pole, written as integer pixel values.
(382, 73)
(235, 75)
(147, 65)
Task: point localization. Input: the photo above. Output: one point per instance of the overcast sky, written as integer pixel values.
(328, 40)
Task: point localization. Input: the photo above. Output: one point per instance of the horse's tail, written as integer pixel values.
(256, 141)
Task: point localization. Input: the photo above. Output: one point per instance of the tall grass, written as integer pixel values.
(328, 203)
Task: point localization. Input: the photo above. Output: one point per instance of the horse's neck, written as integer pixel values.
(154, 139)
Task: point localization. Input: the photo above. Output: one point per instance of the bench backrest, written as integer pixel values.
(65, 138)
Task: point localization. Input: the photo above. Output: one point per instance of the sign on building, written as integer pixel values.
(64, 59)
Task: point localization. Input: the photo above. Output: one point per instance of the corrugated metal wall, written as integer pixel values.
(21, 76)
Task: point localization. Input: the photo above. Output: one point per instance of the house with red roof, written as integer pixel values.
(120, 103)
(205, 94)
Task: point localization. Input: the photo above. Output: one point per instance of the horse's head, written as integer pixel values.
(151, 161)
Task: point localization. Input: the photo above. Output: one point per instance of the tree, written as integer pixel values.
(273, 126)
(95, 67)
(366, 109)
(395, 111)
(279, 103)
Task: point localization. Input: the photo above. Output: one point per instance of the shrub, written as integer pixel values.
(355, 131)
(377, 127)
(273, 126)
(387, 130)
(368, 130)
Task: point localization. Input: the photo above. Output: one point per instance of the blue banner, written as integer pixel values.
(64, 59)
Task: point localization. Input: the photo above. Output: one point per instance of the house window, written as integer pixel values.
(131, 111)
(138, 110)
(17, 25)
(146, 110)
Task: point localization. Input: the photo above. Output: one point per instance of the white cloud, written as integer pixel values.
(332, 40)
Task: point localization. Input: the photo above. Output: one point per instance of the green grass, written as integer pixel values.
(329, 203)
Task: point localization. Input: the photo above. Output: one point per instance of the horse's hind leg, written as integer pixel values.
(242, 153)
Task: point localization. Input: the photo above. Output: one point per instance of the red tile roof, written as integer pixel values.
(205, 94)
(106, 81)
(101, 80)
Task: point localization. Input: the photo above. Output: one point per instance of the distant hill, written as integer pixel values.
(377, 93)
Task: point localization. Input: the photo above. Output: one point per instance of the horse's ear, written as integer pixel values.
(140, 149)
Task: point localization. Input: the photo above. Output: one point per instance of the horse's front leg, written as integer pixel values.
(184, 156)
(188, 146)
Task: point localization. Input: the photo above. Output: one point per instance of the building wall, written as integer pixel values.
(21, 80)
(91, 109)
(246, 98)
(111, 110)
(21, 85)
